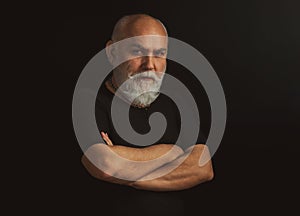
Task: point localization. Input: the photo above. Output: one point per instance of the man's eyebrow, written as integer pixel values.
(161, 49)
(138, 46)
(143, 48)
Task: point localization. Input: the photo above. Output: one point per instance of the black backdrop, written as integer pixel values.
(253, 47)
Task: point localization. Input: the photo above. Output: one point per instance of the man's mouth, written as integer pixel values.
(146, 79)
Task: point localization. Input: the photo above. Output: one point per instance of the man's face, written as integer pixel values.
(141, 73)
(146, 53)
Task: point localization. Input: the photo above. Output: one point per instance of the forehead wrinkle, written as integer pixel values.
(148, 44)
(147, 48)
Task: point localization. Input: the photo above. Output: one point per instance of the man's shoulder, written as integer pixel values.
(104, 96)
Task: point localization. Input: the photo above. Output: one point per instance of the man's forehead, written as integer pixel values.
(148, 42)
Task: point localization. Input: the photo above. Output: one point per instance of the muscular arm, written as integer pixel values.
(186, 175)
(115, 163)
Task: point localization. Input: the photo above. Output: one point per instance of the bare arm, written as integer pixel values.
(117, 164)
(188, 174)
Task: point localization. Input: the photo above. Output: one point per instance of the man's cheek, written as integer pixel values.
(131, 69)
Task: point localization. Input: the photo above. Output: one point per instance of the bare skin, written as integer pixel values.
(187, 172)
(104, 162)
(156, 55)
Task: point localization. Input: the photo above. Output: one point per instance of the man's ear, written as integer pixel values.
(110, 52)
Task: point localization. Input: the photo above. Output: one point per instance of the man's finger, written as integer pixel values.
(106, 139)
(109, 141)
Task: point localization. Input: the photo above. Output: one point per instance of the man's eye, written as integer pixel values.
(160, 53)
(137, 52)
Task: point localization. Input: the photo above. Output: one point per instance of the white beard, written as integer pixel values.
(141, 92)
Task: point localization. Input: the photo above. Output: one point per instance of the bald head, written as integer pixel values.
(136, 25)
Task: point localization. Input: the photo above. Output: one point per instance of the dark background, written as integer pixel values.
(253, 47)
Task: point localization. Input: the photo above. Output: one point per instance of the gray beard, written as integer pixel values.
(140, 92)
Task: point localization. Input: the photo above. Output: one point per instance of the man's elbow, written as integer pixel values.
(209, 174)
(207, 168)
(95, 161)
(93, 170)
(205, 175)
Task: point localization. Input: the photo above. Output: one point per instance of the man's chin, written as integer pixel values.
(145, 101)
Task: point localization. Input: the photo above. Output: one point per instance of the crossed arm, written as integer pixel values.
(107, 161)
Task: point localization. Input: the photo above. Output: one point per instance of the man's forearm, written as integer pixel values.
(146, 153)
(104, 162)
(183, 176)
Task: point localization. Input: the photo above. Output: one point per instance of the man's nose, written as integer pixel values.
(148, 62)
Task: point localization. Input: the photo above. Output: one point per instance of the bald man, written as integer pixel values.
(143, 72)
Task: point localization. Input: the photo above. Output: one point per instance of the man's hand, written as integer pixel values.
(99, 174)
(107, 161)
(106, 138)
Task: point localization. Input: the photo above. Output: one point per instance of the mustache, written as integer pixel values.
(146, 74)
